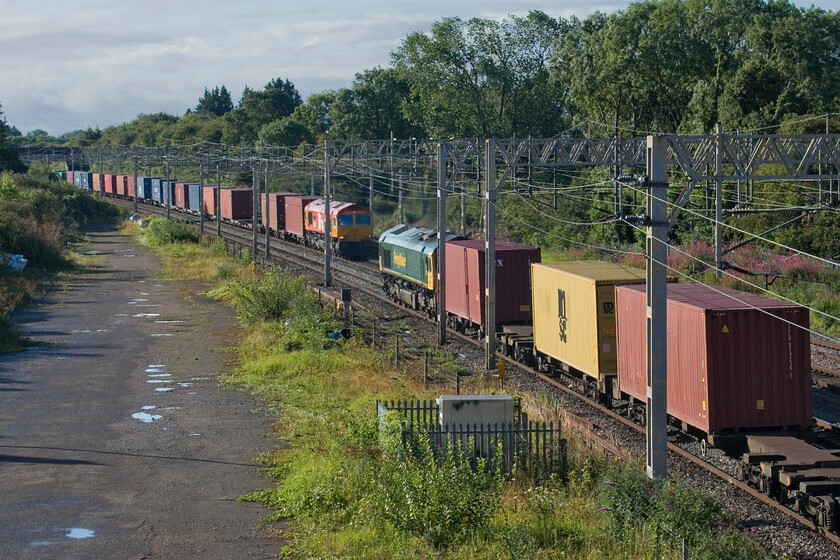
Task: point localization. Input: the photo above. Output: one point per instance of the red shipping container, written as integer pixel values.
(465, 280)
(295, 206)
(236, 204)
(276, 209)
(735, 360)
(182, 195)
(119, 185)
(96, 181)
(70, 177)
(208, 195)
(130, 185)
(110, 183)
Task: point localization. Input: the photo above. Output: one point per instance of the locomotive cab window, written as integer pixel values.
(386, 258)
(345, 220)
(362, 219)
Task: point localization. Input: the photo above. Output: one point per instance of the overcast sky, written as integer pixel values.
(70, 64)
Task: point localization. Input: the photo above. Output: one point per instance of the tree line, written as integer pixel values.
(658, 66)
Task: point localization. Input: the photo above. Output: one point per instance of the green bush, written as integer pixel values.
(269, 297)
(165, 232)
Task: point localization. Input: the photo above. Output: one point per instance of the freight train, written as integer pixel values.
(289, 216)
(739, 373)
(738, 363)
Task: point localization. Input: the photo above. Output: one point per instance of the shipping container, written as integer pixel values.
(96, 184)
(275, 210)
(62, 174)
(130, 186)
(110, 182)
(70, 177)
(209, 200)
(120, 185)
(735, 360)
(194, 199)
(85, 178)
(236, 204)
(295, 206)
(466, 280)
(574, 315)
(77, 179)
(182, 195)
(168, 192)
(157, 189)
(144, 188)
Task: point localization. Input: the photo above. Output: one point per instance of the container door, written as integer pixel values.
(607, 355)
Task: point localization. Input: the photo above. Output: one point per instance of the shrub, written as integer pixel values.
(165, 232)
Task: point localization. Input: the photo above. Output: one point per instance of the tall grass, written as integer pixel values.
(348, 487)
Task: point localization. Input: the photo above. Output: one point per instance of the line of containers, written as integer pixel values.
(287, 211)
(735, 360)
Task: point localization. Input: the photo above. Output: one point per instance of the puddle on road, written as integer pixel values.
(195, 434)
(94, 252)
(128, 256)
(145, 417)
(198, 378)
(146, 315)
(163, 322)
(157, 381)
(144, 293)
(164, 389)
(148, 407)
(135, 301)
(80, 331)
(61, 358)
(184, 384)
(192, 393)
(162, 334)
(156, 365)
(79, 533)
(155, 368)
(160, 375)
(158, 285)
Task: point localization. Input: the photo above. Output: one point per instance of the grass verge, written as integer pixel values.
(347, 489)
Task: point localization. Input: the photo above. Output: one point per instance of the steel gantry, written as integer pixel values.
(681, 159)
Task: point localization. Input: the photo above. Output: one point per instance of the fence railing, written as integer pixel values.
(524, 444)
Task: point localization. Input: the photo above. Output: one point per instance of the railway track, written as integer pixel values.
(312, 261)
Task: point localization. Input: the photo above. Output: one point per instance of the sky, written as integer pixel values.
(71, 64)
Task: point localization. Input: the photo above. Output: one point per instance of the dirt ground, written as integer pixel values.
(115, 438)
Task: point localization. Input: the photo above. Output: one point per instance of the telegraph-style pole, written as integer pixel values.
(255, 195)
(266, 210)
(719, 200)
(167, 191)
(370, 193)
(657, 253)
(327, 218)
(441, 250)
(201, 198)
(490, 190)
(135, 184)
(218, 197)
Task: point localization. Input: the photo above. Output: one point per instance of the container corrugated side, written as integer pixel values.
(182, 194)
(294, 213)
(119, 185)
(194, 198)
(96, 183)
(209, 200)
(466, 280)
(574, 313)
(735, 360)
(276, 213)
(236, 204)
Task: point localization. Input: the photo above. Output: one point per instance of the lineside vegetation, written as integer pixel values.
(343, 487)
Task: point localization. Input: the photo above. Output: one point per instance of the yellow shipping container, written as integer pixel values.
(574, 314)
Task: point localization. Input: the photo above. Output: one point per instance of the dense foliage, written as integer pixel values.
(39, 216)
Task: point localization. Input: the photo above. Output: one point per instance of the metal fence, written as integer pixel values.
(522, 444)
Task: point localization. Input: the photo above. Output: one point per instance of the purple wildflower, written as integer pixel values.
(603, 508)
(610, 483)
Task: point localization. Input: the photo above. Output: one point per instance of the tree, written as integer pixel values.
(258, 108)
(285, 132)
(483, 77)
(9, 156)
(373, 107)
(216, 101)
(314, 112)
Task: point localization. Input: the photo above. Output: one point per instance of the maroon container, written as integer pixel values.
(295, 215)
(236, 204)
(465, 280)
(208, 195)
(182, 195)
(96, 182)
(735, 360)
(110, 182)
(276, 209)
